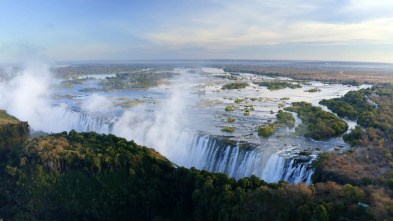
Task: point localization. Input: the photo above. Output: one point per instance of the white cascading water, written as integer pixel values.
(83, 122)
(279, 168)
(212, 154)
(27, 97)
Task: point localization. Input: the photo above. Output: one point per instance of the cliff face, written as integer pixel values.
(12, 132)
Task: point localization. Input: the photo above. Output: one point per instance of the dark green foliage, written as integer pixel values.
(228, 129)
(317, 124)
(372, 108)
(266, 130)
(313, 90)
(355, 137)
(138, 80)
(352, 83)
(319, 174)
(230, 77)
(75, 175)
(276, 85)
(230, 108)
(284, 119)
(87, 176)
(320, 214)
(351, 104)
(341, 108)
(75, 80)
(6, 118)
(12, 132)
(235, 85)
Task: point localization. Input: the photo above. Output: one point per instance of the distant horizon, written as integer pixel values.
(141, 61)
(219, 59)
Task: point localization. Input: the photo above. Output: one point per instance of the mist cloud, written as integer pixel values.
(97, 103)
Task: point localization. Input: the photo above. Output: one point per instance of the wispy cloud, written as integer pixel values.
(272, 23)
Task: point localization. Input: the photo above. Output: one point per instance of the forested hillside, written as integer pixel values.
(12, 132)
(70, 176)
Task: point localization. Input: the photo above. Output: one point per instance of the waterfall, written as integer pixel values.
(190, 149)
(291, 170)
(61, 119)
(219, 155)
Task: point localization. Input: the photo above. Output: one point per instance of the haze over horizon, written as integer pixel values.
(347, 30)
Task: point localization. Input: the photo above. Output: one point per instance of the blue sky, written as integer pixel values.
(345, 30)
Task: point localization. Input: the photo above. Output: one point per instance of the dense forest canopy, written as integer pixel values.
(317, 123)
(235, 85)
(90, 176)
(276, 85)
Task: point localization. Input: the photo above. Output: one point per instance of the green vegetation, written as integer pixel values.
(230, 108)
(77, 70)
(285, 98)
(130, 103)
(313, 90)
(139, 80)
(12, 132)
(66, 96)
(228, 129)
(351, 104)
(351, 82)
(235, 85)
(66, 84)
(317, 124)
(230, 77)
(284, 119)
(231, 119)
(205, 103)
(276, 85)
(370, 160)
(266, 130)
(7, 119)
(77, 80)
(238, 100)
(355, 137)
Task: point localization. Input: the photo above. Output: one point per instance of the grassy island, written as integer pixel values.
(284, 119)
(313, 90)
(276, 85)
(352, 104)
(228, 129)
(317, 123)
(235, 85)
(139, 80)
